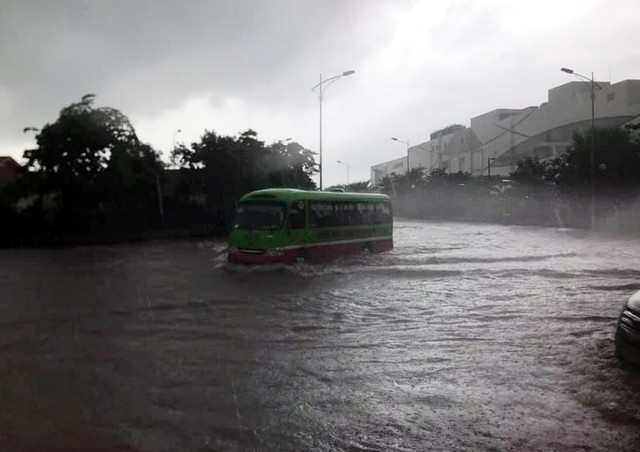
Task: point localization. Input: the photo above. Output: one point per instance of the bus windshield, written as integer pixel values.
(259, 215)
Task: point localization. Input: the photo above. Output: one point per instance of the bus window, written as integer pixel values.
(348, 213)
(322, 214)
(259, 215)
(366, 213)
(297, 215)
(383, 212)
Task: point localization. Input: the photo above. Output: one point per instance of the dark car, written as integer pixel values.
(628, 332)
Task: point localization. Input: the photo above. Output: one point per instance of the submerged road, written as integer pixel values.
(464, 337)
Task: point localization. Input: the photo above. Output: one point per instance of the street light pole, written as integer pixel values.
(320, 95)
(160, 201)
(174, 138)
(592, 165)
(408, 146)
(159, 184)
(347, 165)
(320, 88)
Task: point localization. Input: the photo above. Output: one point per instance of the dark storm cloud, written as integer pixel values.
(146, 55)
(234, 64)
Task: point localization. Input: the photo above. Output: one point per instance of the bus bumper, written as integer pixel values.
(313, 253)
(261, 257)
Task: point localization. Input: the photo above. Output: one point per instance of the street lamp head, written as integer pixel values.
(567, 70)
(345, 73)
(394, 139)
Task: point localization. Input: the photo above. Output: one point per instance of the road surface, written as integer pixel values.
(464, 337)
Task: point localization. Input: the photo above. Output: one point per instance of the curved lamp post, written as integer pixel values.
(593, 85)
(320, 88)
(347, 165)
(408, 146)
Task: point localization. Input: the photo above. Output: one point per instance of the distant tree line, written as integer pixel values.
(355, 187)
(551, 192)
(91, 179)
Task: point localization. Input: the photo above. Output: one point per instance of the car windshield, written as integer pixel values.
(262, 215)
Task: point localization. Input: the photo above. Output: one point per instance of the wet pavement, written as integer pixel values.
(464, 337)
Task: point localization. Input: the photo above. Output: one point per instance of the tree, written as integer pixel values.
(616, 162)
(359, 187)
(386, 185)
(531, 171)
(438, 178)
(229, 167)
(80, 142)
(290, 165)
(397, 185)
(566, 181)
(90, 159)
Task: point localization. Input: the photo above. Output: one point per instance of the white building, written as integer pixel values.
(502, 137)
(397, 166)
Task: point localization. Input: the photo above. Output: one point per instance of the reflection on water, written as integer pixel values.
(463, 337)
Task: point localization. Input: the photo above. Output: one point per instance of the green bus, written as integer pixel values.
(283, 225)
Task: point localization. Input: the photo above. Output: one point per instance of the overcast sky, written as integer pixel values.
(233, 65)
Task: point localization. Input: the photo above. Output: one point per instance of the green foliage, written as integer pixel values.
(231, 167)
(616, 161)
(387, 185)
(615, 169)
(531, 171)
(440, 178)
(79, 143)
(396, 184)
(91, 162)
(554, 192)
(354, 187)
(91, 174)
(566, 183)
(359, 187)
(437, 179)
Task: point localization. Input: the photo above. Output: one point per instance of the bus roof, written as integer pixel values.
(293, 194)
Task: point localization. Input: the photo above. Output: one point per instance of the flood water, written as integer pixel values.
(464, 337)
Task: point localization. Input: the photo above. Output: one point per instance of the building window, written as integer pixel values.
(611, 96)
